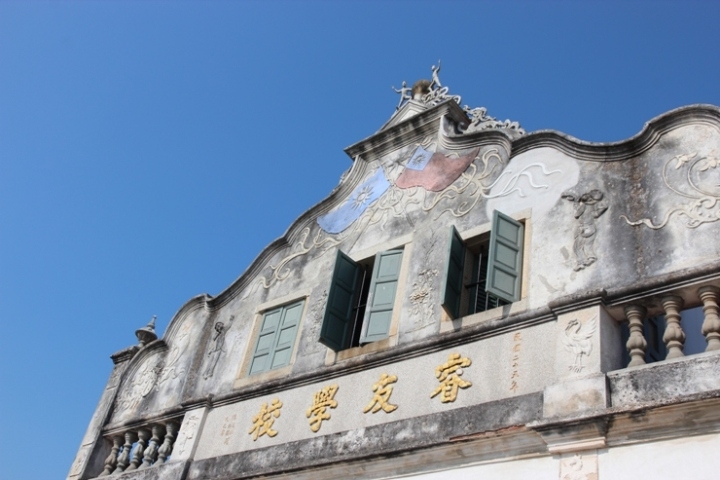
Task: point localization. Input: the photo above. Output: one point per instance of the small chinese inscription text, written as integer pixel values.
(228, 428)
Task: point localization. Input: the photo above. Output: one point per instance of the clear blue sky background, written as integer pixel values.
(150, 150)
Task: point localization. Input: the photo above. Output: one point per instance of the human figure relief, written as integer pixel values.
(588, 207)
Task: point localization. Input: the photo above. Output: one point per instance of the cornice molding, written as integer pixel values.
(407, 132)
(623, 149)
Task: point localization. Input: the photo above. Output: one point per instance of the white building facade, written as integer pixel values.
(471, 301)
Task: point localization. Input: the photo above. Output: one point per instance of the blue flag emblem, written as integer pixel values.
(419, 160)
(361, 197)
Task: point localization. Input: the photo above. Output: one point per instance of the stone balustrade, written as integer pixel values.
(141, 447)
(674, 336)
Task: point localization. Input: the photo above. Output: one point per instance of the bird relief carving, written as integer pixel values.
(577, 340)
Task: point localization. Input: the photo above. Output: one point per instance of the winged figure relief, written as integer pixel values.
(577, 340)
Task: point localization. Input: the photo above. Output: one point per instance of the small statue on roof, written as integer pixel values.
(404, 94)
(435, 83)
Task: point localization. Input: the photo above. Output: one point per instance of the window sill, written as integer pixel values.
(333, 357)
(263, 377)
(449, 325)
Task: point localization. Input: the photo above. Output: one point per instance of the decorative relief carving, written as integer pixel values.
(187, 433)
(588, 207)
(576, 468)
(578, 341)
(480, 120)
(422, 296)
(696, 178)
(154, 372)
(378, 199)
(310, 337)
(475, 187)
(218, 345)
(140, 386)
(381, 399)
(281, 271)
(448, 374)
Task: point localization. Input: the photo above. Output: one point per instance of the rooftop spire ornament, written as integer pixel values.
(147, 334)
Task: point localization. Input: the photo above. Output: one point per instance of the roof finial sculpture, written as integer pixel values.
(428, 93)
(404, 94)
(435, 76)
(147, 334)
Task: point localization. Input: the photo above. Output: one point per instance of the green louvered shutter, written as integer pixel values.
(266, 341)
(381, 299)
(277, 338)
(453, 283)
(285, 338)
(504, 272)
(336, 331)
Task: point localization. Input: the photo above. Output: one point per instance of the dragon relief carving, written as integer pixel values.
(696, 178)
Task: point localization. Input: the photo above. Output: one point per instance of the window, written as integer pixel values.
(360, 301)
(276, 338)
(484, 272)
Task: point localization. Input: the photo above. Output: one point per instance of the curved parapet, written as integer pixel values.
(416, 222)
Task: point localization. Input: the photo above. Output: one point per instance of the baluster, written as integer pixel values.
(711, 324)
(171, 429)
(151, 452)
(674, 336)
(143, 435)
(124, 459)
(112, 459)
(636, 344)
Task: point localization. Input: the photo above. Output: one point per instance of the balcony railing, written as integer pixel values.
(141, 447)
(674, 336)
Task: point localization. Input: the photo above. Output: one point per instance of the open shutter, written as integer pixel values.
(336, 331)
(504, 272)
(381, 299)
(286, 334)
(453, 283)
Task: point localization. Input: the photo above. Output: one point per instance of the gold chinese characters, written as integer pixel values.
(449, 376)
(324, 399)
(263, 421)
(382, 390)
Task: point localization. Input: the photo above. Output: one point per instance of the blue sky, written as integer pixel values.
(150, 150)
